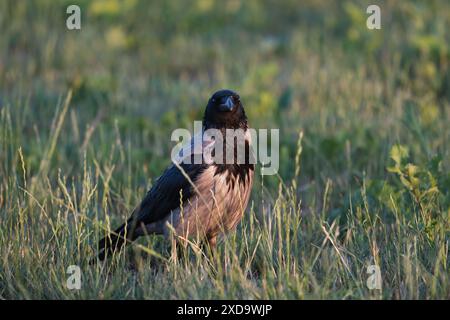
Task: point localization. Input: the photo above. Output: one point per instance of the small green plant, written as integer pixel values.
(422, 184)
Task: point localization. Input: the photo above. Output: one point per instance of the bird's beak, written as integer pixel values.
(228, 105)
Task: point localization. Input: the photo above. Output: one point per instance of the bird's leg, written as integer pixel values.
(212, 242)
(181, 250)
(211, 247)
(213, 255)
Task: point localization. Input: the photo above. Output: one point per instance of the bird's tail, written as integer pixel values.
(114, 241)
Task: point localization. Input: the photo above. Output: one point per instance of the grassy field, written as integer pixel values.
(85, 124)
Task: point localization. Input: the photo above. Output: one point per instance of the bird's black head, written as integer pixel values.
(225, 110)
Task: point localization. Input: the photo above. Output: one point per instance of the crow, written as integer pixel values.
(197, 199)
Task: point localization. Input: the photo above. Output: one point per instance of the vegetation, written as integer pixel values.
(85, 123)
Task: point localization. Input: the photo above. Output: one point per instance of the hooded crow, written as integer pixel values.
(192, 199)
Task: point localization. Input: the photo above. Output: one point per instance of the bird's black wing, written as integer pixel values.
(164, 196)
(168, 193)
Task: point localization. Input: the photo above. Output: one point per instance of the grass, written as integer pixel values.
(85, 123)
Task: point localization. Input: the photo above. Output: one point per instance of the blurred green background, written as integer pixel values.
(147, 67)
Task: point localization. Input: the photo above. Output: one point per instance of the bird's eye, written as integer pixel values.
(213, 100)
